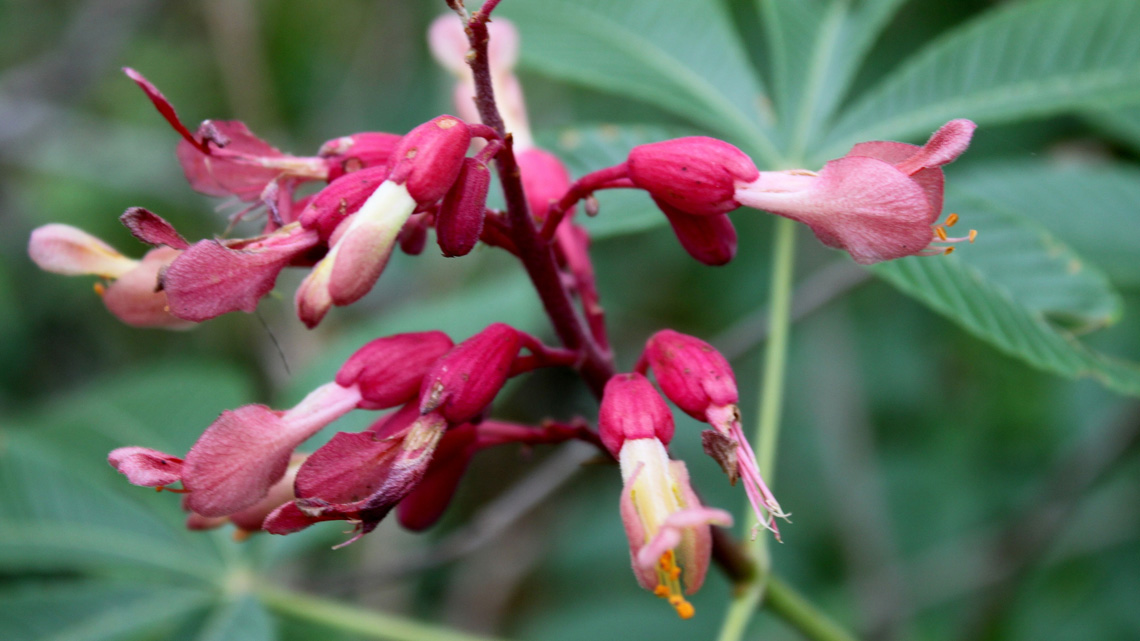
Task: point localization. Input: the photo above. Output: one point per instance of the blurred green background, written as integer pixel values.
(940, 488)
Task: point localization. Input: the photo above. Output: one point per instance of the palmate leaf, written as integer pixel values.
(683, 57)
(1039, 271)
(1028, 59)
(64, 511)
(815, 49)
(92, 610)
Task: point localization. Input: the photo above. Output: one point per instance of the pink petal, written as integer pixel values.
(146, 467)
(931, 180)
(245, 451)
(211, 279)
(635, 534)
(949, 142)
(164, 107)
(234, 170)
(63, 249)
(152, 229)
(133, 299)
(862, 205)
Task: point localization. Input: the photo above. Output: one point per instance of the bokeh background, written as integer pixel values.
(939, 488)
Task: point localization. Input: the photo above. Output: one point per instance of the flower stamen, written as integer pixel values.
(669, 585)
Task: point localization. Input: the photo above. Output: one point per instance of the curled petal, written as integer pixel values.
(152, 229)
(146, 467)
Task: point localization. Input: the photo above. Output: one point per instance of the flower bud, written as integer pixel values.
(460, 218)
(429, 158)
(388, 371)
(341, 198)
(465, 380)
(632, 409)
(697, 175)
(691, 373)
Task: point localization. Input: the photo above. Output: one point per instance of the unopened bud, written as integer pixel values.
(697, 175)
(388, 371)
(460, 218)
(632, 409)
(429, 158)
(691, 372)
(465, 380)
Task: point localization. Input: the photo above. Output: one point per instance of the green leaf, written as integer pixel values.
(1123, 123)
(987, 310)
(680, 56)
(1029, 59)
(1092, 208)
(816, 47)
(1039, 271)
(53, 518)
(92, 610)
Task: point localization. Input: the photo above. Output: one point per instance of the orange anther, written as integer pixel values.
(973, 235)
(685, 610)
(100, 288)
(661, 591)
(948, 251)
(941, 232)
(951, 219)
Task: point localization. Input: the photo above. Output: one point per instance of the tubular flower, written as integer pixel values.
(131, 290)
(879, 202)
(667, 527)
(695, 376)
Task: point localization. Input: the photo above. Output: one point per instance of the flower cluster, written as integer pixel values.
(381, 191)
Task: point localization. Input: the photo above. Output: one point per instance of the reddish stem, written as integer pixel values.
(534, 251)
(493, 433)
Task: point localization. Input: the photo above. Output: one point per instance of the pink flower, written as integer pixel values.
(132, 294)
(668, 529)
(879, 202)
(695, 376)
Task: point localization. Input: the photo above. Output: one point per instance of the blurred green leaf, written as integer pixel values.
(1092, 208)
(680, 56)
(91, 610)
(1123, 123)
(808, 86)
(1029, 59)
